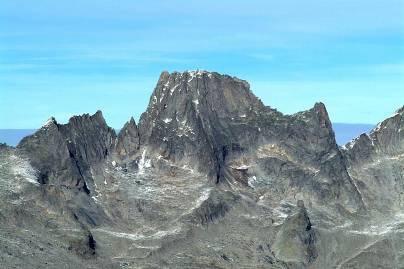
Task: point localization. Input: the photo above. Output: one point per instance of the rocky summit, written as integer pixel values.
(209, 177)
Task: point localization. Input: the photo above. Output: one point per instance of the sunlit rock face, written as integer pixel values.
(190, 114)
(296, 240)
(375, 162)
(64, 153)
(210, 177)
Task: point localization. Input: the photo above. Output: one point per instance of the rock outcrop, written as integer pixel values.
(66, 158)
(64, 153)
(209, 178)
(376, 162)
(127, 143)
(189, 118)
(214, 123)
(295, 242)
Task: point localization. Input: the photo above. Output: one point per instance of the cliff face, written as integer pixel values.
(127, 143)
(209, 178)
(375, 162)
(206, 116)
(215, 124)
(66, 158)
(190, 116)
(64, 153)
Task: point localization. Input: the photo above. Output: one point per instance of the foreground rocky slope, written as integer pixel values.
(209, 178)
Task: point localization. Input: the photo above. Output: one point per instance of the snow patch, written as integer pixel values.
(194, 74)
(95, 197)
(167, 120)
(24, 170)
(251, 181)
(202, 198)
(173, 89)
(161, 97)
(48, 123)
(191, 76)
(139, 236)
(196, 102)
(378, 127)
(166, 85)
(143, 163)
(184, 129)
(154, 102)
(279, 213)
(241, 167)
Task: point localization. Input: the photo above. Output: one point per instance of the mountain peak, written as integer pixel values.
(127, 142)
(192, 74)
(322, 113)
(153, 184)
(96, 117)
(71, 148)
(189, 112)
(201, 90)
(384, 139)
(49, 122)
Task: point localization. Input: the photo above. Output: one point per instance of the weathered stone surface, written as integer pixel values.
(211, 178)
(295, 242)
(66, 157)
(376, 162)
(127, 143)
(212, 122)
(64, 153)
(189, 117)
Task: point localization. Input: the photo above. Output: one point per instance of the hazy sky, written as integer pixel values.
(70, 57)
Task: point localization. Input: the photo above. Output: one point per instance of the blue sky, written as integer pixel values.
(63, 58)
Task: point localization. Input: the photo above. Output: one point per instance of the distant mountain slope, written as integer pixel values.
(345, 132)
(13, 136)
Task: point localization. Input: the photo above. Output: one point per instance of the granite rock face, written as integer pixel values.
(209, 178)
(214, 123)
(375, 162)
(64, 153)
(295, 242)
(189, 117)
(127, 143)
(65, 158)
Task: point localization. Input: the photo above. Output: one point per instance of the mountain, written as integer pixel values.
(344, 132)
(210, 177)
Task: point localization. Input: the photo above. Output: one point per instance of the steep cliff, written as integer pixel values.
(209, 178)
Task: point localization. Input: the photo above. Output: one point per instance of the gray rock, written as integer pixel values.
(189, 117)
(295, 242)
(210, 178)
(375, 162)
(64, 153)
(128, 140)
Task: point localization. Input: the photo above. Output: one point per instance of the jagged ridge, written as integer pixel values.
(259, 162)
